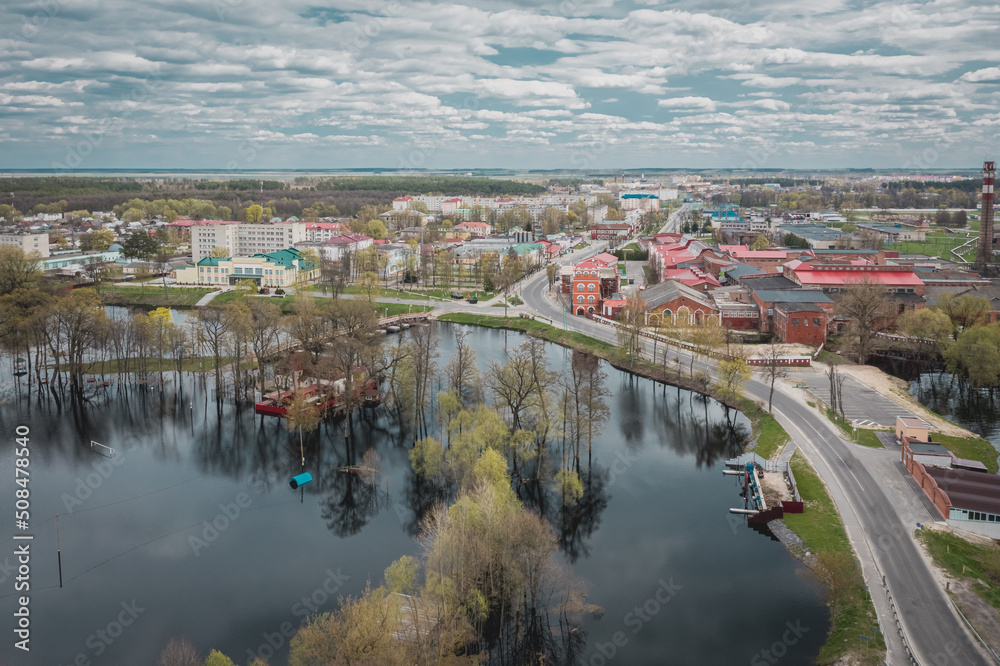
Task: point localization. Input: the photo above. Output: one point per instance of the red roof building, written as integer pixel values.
(769, 261)
(693, 277)
(835, 278)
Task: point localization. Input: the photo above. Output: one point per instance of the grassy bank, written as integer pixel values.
(822, 532)
(285, 304)
(770, 435)
(972, 448)
(152, 297)
(538, 329)
(978, 563)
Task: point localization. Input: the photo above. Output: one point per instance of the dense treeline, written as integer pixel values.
(63, 185)
(429, 185)
(847, 197)
(347, 194)
(966, 185)
(782, 182)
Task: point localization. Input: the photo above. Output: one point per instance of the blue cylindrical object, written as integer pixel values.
(300, 480)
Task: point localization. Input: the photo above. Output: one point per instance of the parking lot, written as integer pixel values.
(862, 404)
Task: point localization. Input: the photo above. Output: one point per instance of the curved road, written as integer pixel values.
(885, 546)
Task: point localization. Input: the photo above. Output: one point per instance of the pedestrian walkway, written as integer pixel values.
(788, 452)
(207, 298)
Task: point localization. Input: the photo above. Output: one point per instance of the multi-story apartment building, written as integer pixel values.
(243, 239)
(28, 242)
(318, 232)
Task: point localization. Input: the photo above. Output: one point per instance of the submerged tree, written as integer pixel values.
(492, 590)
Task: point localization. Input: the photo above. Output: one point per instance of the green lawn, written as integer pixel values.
(823, 534)
(978, 563)
(972, 448)
(399, 308)
(771, 436)
(283, 302)
(286, 302)
(938, 244)
(152, 296)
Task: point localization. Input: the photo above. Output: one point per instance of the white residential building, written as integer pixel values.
(28, 242)
(333, 249)
(243, 239)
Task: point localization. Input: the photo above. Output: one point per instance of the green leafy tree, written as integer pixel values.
(133, 215)
(975, 355)
(732, 374)
(140, 245)
(216, 658)
(964, 311)
(18, 269)
(253, 214)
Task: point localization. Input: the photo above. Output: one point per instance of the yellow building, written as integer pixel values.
(275, 269)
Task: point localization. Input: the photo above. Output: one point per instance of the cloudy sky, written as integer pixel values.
(258, 84)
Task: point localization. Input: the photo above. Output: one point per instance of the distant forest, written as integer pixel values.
(348, 194)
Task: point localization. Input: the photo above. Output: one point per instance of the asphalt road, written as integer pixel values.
(932, 628)
(675, 221)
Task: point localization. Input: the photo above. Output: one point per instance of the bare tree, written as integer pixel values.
(422, 354)
(179, 652)
(866, 305)
(355, 325)
(836, 389)
(630, 323)
(771, 370)
(461, 370)
(214, 326)
(307, 325)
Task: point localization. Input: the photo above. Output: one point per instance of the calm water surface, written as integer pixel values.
(977, 411)
(656, 512)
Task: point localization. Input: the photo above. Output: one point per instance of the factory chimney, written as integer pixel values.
(985, 255)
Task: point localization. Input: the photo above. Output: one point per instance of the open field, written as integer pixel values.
(938, 244)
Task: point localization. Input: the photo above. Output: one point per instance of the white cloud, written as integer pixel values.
(689, 103)
(854, 80)
(991, 74)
